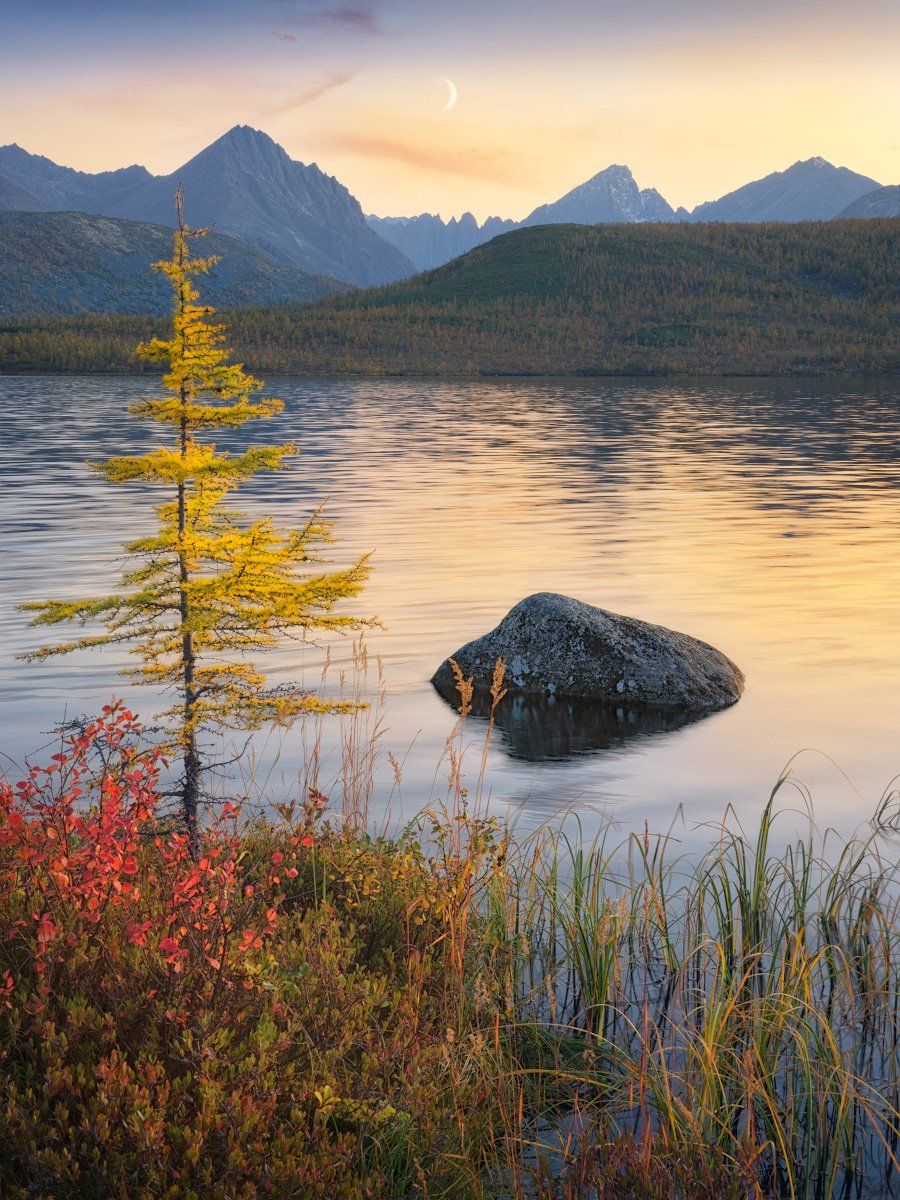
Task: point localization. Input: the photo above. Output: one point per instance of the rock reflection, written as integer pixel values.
(536, 728)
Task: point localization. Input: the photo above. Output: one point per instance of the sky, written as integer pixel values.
(696, 96)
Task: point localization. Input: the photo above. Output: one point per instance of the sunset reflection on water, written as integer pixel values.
(760, 516)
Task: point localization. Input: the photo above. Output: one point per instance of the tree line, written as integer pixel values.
(813, 297)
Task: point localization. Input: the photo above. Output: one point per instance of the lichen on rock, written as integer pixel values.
(556, 646)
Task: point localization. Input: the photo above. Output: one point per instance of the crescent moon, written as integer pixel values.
(452, 96)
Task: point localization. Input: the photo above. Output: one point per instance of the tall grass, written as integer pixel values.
(739, 1012)
(683, 1024)
(548, 1017)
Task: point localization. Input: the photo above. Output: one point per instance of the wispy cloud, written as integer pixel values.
(321, 87)
(360, 15)
(495, 166)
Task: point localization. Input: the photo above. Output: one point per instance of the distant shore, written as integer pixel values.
(812, 299)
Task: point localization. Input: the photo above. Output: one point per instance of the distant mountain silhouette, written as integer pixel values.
(883, 202)
(813, 190)
(810, 190)
(72, 262)
(609, 197)
(245, 185)
(428, 241)
(48, 187)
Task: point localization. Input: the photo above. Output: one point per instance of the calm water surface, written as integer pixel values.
(761, 516)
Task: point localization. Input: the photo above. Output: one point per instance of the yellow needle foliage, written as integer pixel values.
(208, 589)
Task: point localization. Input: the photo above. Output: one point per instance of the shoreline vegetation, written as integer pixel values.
(308, 1010)
(811, 298)
(197, 1000)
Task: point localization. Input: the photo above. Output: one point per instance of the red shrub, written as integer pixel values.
(84, 853)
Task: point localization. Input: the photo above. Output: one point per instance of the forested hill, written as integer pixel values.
(814, 297)
(70, 262)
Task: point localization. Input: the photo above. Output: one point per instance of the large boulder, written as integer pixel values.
(556, 646)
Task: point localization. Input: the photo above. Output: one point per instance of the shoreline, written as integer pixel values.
(12, 372)
(449, 1003)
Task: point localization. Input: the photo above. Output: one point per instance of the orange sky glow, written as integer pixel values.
(695, 106)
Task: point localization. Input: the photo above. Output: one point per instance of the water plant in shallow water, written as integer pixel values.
(740, 1012)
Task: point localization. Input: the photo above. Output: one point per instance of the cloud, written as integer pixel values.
(361, 15)
(324, 85)
(494, 166)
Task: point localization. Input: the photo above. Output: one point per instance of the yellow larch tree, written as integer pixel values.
(208, 589)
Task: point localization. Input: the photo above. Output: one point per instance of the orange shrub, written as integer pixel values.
(250, 1023)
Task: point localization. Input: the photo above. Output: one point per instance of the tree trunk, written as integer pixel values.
(190, 793)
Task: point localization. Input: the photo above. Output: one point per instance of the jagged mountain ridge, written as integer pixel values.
(810, 190)
(610, 197)
(50, 187)
(245, 185)
(428, 241)
(71, 262)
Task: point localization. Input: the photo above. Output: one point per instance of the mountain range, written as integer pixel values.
(883, 202)
(806, 191)
(293, 216)
(610, 197)
(244, 185)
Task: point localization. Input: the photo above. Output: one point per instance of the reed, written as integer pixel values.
(722, 1023)
(740, 1011)
(452, 1011)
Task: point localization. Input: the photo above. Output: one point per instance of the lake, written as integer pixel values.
(762, 516)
